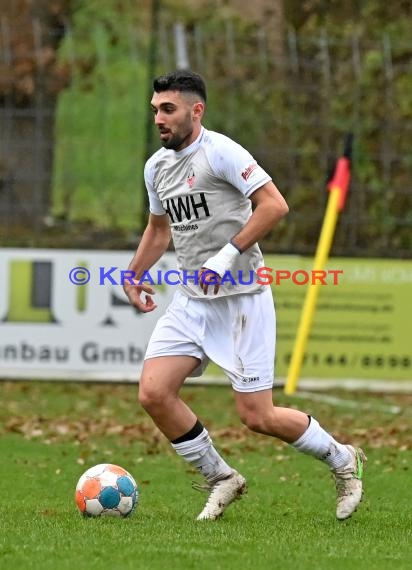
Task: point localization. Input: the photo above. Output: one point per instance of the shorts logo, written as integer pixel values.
(246, 173)
(250, 379)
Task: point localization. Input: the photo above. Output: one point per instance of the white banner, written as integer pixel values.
(52, 328)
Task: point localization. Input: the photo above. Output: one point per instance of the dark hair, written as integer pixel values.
(181, 80)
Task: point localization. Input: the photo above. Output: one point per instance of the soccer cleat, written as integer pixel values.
(222, 494)
(348, 481)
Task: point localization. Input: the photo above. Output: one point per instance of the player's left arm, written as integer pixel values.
(234, 164)
(269, 208)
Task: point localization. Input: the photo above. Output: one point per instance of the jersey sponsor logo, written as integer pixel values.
(191, 178)
(246, 173)
(185, 228)
(186, 208)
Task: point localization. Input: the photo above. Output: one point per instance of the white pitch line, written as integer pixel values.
(342, 402)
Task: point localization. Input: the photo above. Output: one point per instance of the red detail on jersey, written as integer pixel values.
(246, 173)
(191, 179)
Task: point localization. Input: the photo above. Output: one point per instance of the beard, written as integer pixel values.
(176, 140)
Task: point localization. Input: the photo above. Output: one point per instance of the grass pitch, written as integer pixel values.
(52, 432)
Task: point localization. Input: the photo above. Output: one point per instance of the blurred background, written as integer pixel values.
(287, 79)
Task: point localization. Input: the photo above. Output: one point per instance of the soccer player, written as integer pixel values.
(201, 188)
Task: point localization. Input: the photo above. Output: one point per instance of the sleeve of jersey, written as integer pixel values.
(155, 205)
(236, 165)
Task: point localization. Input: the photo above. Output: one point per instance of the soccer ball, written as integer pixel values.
(106, 490)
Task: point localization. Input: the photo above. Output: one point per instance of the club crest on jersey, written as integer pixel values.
(191, 178)
(246, 173)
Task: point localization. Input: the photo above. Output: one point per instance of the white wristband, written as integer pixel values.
(224, 260)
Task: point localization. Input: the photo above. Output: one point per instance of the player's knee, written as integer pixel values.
(150, 397)
(253, 420)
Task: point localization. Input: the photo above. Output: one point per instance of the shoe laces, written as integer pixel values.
(208, 487)
(345, 473)
(343, 476)
(342, 487)
(202, 487)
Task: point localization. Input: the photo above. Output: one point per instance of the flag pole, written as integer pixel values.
(338, 188)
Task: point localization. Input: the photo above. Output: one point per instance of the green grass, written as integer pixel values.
(52, 432)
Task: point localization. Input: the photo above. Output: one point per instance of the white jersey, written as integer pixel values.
(205, 191)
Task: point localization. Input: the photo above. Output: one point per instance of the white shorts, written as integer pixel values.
(237, 332)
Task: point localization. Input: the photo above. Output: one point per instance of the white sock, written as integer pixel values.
(319, 443)
(200, 453)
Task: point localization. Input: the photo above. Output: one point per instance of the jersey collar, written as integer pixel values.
(193, 146)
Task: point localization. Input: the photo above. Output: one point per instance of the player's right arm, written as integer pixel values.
(154, 243)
